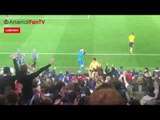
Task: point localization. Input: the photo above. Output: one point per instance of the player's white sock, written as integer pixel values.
(131, 50)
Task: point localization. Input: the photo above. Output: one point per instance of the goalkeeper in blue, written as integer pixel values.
(80, 60)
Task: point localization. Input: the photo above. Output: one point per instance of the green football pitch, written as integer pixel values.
(104, 37)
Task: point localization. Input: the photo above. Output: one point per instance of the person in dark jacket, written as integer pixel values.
(27, 79)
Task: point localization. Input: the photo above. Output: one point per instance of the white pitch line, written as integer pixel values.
(90, 54)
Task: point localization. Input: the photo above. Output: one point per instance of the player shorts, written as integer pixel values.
(131, 44)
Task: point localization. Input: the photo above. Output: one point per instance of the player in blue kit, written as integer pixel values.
(80, 59)
(34, 58)
(18, 57)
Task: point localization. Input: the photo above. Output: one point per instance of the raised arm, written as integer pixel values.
(125, 81)
(35, 74)
(16, 65)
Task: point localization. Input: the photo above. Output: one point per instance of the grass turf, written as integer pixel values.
(96, 34)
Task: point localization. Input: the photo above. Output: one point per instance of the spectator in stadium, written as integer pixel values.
(105, 96)
(12, 98)
(60, 76)
(40, 95)
(7, 89)
(58, 92)
(27, 79)
(59, 85)
(152, 93)
(18, 88)
(2, 99)
(84, 89)
(140, 73)
(156, 71)
(80, 89)
(129, 76)
(120, 87)
(150, 98)
(134, 73)
(83, 100)
(77, 89)
(147, 73)
(100, 70)
(91, 84)
(121, 70)
(98, 80)
(6, 80)
(69, 98)
(67, 78)
(114, 73)
(107, 72)
(52, 88)
(127, 92)
(46, 101)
